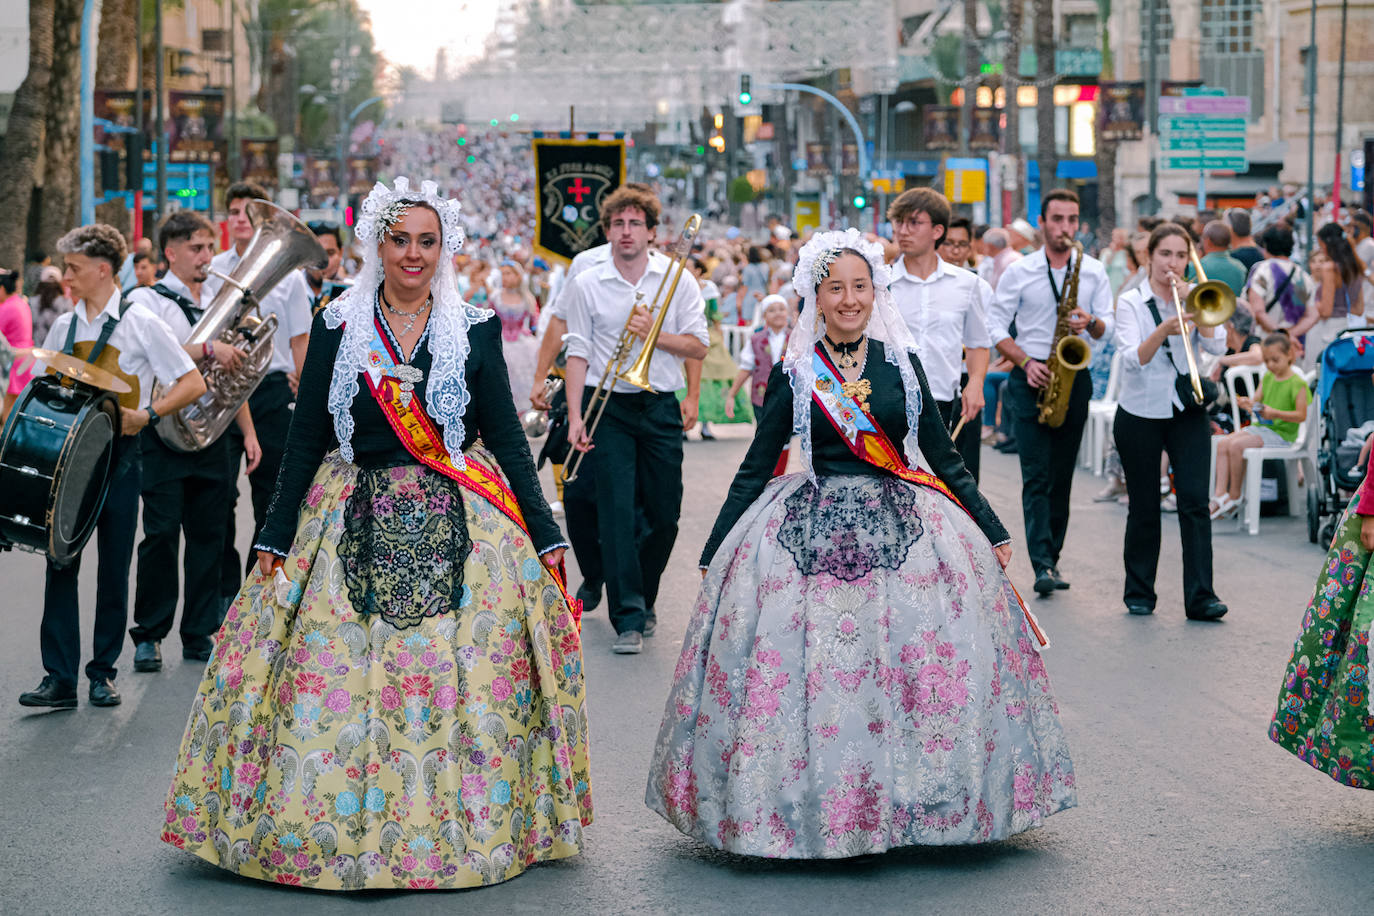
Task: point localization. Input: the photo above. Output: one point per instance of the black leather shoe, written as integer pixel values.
(1007, 448)
(50, 693)
(148, 656)
(650, 624)
(1212, 610)
(1044, 583)
(590, 596)
(1059, 581)
(196, 653)
(103, 693)
(1139, 610)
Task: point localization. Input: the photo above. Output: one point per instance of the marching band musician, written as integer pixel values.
(184, 491)
(129, 340)
(1030, 293)
(1152, 418)
(636, 458)
(325, 283)
(945, 306)
(271, 403)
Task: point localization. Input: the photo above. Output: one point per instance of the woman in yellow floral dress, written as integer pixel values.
(395, 699)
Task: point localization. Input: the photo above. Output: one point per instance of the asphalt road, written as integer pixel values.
(1184, 804)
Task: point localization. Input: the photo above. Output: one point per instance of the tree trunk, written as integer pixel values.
(21, 145)
(1106, 191)
(118, 45)
(61, 154)
(973, 62)
(1011, 81)
(1045, 155)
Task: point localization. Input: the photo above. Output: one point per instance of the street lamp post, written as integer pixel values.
(345, 129)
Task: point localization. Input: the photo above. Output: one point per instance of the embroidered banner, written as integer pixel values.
(848, 413)
(572, 178)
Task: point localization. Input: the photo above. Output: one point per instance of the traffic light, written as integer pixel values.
(745, 95)
(495, 121)
(462, 141)
(515, 116)
(860, 202)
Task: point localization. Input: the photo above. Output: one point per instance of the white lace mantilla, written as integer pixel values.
(446, 390)
(884, 325)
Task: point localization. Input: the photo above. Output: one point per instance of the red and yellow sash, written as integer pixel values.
(424, 440)
(866, 439)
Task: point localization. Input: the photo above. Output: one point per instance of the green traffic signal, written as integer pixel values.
(462, 141)
(515, 117)
(745, 98)
(859, 202)
(494, 122)
(471, 159)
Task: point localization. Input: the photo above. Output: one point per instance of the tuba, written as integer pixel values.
(280, 245)
(1069, 353)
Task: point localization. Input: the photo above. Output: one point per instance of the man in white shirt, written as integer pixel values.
(636, 458)
(184, 491)
(131, 342)
(1029, 293)
(1000, 254)
(271, 403)
(945, 307)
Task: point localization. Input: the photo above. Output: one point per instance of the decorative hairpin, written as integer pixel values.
(820, 268)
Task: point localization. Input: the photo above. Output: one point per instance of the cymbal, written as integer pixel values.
(81, 371)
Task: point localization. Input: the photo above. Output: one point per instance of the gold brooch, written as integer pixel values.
(858, 390)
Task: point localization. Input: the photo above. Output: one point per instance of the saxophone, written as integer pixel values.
(1068, 353)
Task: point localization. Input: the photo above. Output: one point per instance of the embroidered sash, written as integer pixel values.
(424, 440)
(871, 445)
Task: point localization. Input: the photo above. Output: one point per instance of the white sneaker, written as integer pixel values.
(556, 507)
(1169, 503)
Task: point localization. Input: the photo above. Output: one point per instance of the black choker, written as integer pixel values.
(844, 352)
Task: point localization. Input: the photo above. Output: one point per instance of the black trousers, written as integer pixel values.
(59, 635)
(970, 440)
(270, 406)
(1047, 456)
(183, 493)
(1140, 442)
(637, 467)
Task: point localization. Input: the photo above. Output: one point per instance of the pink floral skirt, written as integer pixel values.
(857, 676)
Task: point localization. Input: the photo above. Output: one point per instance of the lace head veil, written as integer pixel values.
(885, 324)
(446, 391)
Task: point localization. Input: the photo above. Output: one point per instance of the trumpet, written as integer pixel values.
(535, 421)
(1209, 304)
(638, 373)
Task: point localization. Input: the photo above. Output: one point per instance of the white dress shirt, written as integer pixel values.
(166, 309)
(145, 347)
(1025, 295)
(777, 342)
(582, 262)
(597, 303)
(1148, 390)
(289, 300)
(946, 312)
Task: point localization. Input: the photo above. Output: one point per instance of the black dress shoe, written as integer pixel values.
(590, 596)
(50, 693)
(1139, 609)
(650, 624)
(1007, 448)
(196, 653)
(148, 656)
(1212, 610)
(1059, 581)
(1044, 583)
(103, 693)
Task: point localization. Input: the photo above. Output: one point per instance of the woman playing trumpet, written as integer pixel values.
(1157, 413)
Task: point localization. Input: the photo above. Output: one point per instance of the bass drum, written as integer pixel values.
(56, 459)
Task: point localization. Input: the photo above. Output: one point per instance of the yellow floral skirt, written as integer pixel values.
(335, 750)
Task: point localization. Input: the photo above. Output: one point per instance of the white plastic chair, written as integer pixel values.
(1229, 378)
(736, 339)
(1294, 457)
(1101, 418)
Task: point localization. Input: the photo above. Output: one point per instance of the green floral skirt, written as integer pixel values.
(345, 750)
(1324, 715)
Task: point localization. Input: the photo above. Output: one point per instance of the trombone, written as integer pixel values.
(1209, 304)
(638, 373)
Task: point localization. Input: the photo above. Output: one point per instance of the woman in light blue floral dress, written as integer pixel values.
(859, 673)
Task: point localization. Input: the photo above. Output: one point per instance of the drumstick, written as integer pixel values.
(958, 427)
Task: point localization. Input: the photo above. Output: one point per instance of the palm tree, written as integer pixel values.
(1011, 73)
(21, 144)
(1045, 155)
(61, 156)
(973, 60)
(118, 44)
(1106, 149)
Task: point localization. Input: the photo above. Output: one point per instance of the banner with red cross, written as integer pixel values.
(572, 178)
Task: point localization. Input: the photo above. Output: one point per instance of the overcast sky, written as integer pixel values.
(409, 32)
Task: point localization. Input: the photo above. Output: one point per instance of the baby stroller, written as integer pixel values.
(1345, 402)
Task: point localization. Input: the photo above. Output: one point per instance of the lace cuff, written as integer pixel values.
(552, 547)
(267, 548)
